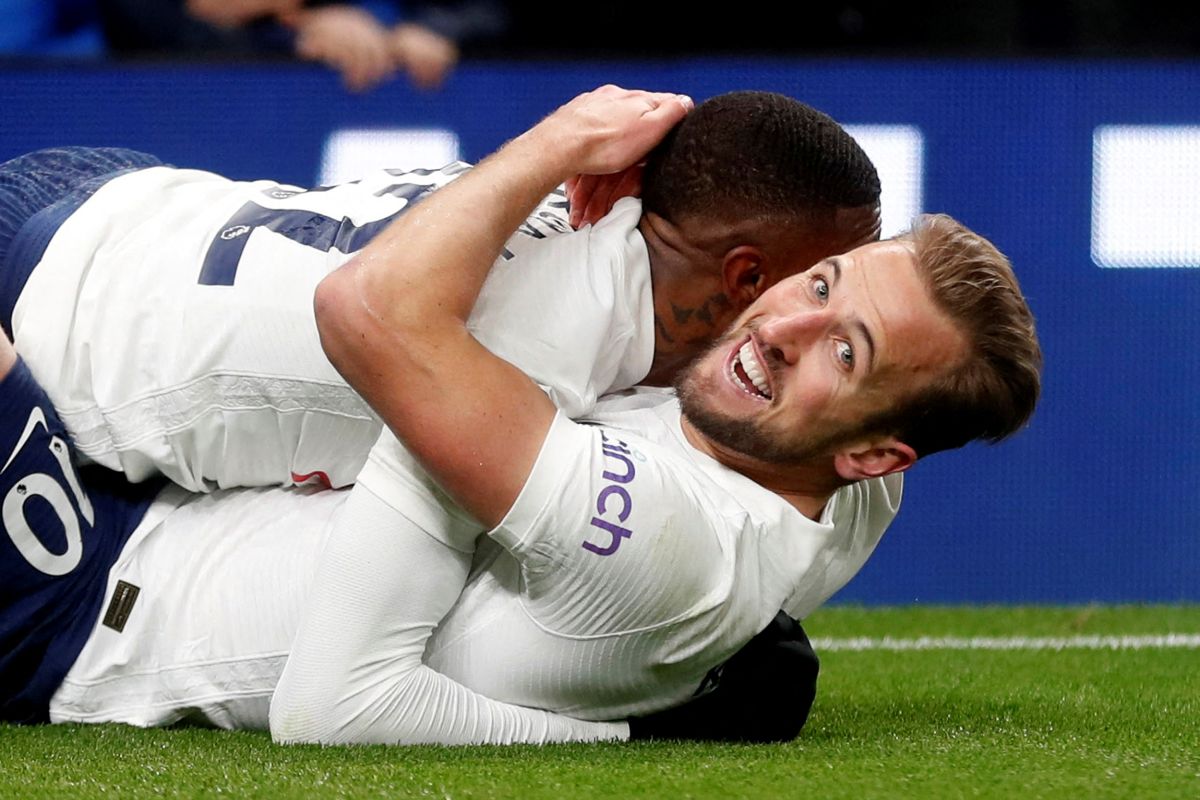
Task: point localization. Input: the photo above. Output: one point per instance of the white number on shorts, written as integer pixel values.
(39, 484)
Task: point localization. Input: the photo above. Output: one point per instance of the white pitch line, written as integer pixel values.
(1164, 641)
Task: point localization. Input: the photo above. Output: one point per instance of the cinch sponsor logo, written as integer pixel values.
(613, 503)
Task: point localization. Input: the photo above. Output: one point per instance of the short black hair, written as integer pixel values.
(753, 154)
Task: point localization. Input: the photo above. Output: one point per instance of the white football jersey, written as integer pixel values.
(170, 320)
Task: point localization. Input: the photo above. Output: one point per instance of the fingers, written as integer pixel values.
(665, 113)
(613, 128)
(669, 109)
(370, 66)
(578, 194)
(600, 203)
(668, 104)
(674, 103)
(662, 102)
(629, 183)
(591, 197)
(426, 56)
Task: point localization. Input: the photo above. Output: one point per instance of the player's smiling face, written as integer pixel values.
(818, 353)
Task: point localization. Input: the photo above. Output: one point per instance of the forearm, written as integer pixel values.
(355, 673)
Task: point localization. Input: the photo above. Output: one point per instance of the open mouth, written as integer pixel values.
(748, 373)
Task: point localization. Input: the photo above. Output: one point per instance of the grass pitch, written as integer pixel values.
(912, 723)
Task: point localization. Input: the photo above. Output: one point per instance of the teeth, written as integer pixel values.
(753, 369)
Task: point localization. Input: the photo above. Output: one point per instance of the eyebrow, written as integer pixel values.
(835, 267)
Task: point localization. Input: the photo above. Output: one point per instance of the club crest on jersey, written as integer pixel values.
(234, 231)
(614, 499)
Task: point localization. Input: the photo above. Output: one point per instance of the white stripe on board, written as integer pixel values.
(1169, 640)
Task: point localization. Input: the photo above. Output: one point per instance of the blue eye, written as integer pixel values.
(845, 353)
(821, 288)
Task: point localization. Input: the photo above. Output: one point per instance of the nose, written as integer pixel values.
(790, 334)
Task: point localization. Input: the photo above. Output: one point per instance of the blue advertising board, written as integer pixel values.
(1084, 172)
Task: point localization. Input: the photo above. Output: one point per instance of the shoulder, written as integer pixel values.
(627, 462)
(622, 523)
(864, 509)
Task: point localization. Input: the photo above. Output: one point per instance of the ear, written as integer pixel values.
(743, 275)
(874, 459)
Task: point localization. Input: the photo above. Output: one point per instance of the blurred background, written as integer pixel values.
(1066, 131)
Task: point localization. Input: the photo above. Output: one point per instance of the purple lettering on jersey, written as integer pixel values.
(616, 449)
(611, 452)
(618, 533)
(608, 491)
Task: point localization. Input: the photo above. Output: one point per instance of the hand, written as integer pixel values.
(590, 197)
(608, 129)
(426, 56)
(348, 39)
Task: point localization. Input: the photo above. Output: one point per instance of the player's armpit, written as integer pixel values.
(763, 693)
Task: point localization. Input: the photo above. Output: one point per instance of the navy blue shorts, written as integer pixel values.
(61, 530)
(38, 191)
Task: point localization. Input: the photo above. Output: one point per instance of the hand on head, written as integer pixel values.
(609, 129)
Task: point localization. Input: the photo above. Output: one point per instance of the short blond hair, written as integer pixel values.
(992, 393)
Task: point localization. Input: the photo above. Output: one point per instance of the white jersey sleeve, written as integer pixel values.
(661, 596)
(365, 632)
(631, 565)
